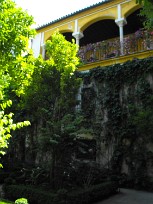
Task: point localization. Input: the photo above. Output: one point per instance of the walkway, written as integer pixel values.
(127, 196)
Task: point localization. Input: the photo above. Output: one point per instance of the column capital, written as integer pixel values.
(77, 35)
(121, 22)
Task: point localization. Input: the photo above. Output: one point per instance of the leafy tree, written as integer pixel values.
(51, 100)
(16, 64)
(147, 12)
(63, 55)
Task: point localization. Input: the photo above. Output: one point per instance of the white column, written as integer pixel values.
(121, 22)
(76, 26)
(119, 11)
(36, 44)
(43, 51)
(43, 45)
(77, 34)
(42, 38)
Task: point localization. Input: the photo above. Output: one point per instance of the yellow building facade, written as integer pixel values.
(107, 33)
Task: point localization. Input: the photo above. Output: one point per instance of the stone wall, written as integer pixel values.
(112, 98)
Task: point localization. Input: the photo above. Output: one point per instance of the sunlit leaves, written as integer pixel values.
(15, 26)
(147, 12)
(62, 55)
(6, 125)
(52, 93)
(16, 63)
(4, 105)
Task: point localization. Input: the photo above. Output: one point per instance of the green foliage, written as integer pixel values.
(62, 53)
(147, 12)
(143, 120)
(86, 174)
(2, 201)
(124, 97)
(21, 201)
(88, 195)
(33, 194)
(30, 176)
(16, 64)
(15, 33)
(50, 100)
(63, 56)
(6, 125)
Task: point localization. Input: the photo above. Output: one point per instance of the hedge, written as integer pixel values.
(93, 193)
(81, 196)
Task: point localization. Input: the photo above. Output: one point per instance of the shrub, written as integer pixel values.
(3, 201)
(33, 194)
(93, 193)
(81, 196)
(21, 201)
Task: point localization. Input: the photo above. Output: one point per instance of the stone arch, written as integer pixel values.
(49, 38)
(100, 30)
(131, 10)
(65, 30)
(61, 30)
(88, 23)
(67, 33)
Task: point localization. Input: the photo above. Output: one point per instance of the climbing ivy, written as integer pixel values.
(124, 92)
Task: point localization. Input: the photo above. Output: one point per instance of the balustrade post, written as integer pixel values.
(121, 22)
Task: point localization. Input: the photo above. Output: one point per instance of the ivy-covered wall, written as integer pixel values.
(117, 102)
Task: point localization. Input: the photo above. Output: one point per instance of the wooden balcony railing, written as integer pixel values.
(137, 42)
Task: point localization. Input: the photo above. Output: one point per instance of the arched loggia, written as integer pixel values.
(97, 42)
(99, 31)
(104, 39)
